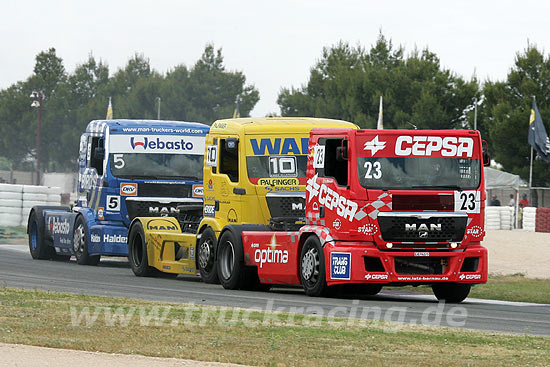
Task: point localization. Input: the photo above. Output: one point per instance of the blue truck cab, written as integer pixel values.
(126, 169)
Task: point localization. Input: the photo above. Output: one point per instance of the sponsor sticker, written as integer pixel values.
(376, 276)
(100, 213)
(469, 276)
(271, 254)
(209, 210)
(128, 189)
(340, 265)
(198, 191)
(278, 182)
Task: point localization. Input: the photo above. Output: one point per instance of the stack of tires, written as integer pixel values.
(32, 196)
(542, 221)
(11, 203)
(529, 219)
(506, 217)
(492, 217)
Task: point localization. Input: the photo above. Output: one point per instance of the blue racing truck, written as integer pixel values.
(126, 169)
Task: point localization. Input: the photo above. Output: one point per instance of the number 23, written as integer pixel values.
(373, 170)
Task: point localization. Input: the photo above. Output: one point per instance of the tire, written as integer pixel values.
(11, 195)
(11, 203)
(230, 262)
(10, 210)
(38, 247)
(11, 188)
(81, 245)
(451, 292)
(137, 252)
(312, 268)
(206, 257)
(34, 197)
(33, 189)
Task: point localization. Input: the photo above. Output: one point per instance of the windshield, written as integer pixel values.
(156, 166)
(419, 173)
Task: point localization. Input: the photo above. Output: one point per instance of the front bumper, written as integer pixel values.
(364, 263)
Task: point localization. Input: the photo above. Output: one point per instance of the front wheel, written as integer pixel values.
(230, 261)
(207, 257)
(137, 252)
(312, 268)
(81, 245)
(451, 292)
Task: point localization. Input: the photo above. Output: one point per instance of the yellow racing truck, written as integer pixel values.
(254, 178)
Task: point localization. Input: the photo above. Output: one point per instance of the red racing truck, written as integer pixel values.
(383, 208)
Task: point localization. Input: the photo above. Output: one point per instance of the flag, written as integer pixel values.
(537, 134)
(236, 113)
(109, 111)
(380, 124)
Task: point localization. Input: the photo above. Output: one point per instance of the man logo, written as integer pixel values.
(161, 225)
(297, 206)
(163, 211)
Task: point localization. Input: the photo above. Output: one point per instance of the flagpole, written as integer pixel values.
(531, 170)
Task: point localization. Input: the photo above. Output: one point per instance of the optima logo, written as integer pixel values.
(157, 144)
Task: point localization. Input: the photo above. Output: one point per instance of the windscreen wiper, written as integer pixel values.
(146, 177)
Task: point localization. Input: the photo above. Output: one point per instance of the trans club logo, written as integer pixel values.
(157, 144)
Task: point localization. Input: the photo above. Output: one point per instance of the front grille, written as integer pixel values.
(404, 228)
(164, 190)
(151, 209)
(286, 206)
(420, 265)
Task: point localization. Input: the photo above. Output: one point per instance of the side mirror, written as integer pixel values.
(99, 154)
(485, 154)
(341, 154)
(231, 144)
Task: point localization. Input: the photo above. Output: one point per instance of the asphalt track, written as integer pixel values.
(114, 278)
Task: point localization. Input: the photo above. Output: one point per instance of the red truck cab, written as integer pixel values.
(383, 207)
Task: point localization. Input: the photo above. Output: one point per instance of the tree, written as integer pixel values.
(507, 109)
(347, 83)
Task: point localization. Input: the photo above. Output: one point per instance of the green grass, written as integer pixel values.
(214, 334)
(515, 287)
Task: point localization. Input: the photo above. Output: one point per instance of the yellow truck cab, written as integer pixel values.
(254, 176)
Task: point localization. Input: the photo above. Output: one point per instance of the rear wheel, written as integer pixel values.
(312, 268)
(230, 261)
(137, 252)
(81, 245)
(207, 257)
(451, 292)
(38, 247)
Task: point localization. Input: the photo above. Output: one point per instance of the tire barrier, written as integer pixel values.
(499, 217)
(542, 221)
(16, 201)
(529, 219)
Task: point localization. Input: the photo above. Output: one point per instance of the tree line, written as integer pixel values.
(345, 83)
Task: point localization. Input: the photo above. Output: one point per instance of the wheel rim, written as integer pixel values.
(226, 260)
(78, 239)
(34, 235)
(137, 250)
(205, 255)
(310, 266)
